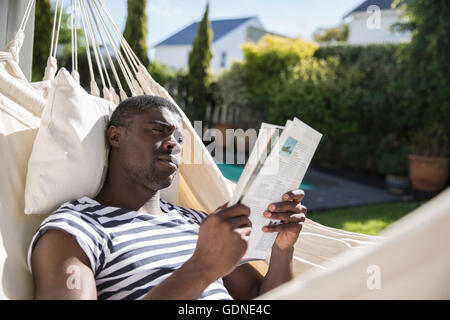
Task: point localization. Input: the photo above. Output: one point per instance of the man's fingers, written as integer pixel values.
(294, 195)
(233, 211)
(293, 227)
(221, 207)
(286, 216)
(286, 206)
(239, 222)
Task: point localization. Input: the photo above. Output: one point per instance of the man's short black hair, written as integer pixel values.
(138, 105)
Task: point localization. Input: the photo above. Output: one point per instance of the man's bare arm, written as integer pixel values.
(61, 269)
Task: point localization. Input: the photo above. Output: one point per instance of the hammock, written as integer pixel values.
(198, 185)
(412, 262)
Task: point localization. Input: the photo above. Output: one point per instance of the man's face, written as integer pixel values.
(151, 148)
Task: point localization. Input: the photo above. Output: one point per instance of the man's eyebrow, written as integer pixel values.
(162, 123)
(165, 124)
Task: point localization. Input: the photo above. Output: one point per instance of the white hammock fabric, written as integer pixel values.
(412, 262)
(200, 184)
(18, 127)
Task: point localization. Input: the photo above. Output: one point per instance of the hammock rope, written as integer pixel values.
(122, 93)
(123, 66)
(14, 46)
(74, 38)
(94, 87)
(97, 54)
(26, 16)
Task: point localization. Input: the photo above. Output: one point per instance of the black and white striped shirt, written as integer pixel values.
(130, 252)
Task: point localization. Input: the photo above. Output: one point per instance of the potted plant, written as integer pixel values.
(429, 161)
(394, 164)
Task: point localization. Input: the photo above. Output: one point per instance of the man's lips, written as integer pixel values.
(169, 160)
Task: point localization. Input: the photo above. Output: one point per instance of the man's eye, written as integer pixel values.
(180, 140)
(157, 130)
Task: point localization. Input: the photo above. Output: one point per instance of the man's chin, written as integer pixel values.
(162, 182)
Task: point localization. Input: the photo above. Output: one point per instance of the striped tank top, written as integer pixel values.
(130, 252)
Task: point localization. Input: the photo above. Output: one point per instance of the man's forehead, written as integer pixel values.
(161, 116)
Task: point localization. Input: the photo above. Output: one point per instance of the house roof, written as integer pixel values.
(219, 27)
(382, 4)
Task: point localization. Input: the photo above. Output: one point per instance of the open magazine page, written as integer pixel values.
(267, 137)
(283, 170)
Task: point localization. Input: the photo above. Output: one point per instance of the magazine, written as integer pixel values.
(276, 165)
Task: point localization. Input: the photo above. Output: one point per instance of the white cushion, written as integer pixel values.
(69, 157)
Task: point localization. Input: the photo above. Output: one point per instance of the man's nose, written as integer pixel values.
(172, 144)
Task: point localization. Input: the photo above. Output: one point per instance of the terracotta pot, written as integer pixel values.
(428, 174)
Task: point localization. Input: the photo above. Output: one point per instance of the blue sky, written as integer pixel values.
(289, 17)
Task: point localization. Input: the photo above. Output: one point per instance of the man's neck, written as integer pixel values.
(129, 197)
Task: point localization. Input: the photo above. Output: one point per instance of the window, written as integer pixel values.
(223, 59)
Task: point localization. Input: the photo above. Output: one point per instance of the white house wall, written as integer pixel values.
(230, 43)
(360, 33)
(175, 56)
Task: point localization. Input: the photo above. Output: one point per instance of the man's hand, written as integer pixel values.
(244, 282)
(222, 241)
(292, 214)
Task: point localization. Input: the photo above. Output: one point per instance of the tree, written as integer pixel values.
(425, 77)
(198, 76)
(266, 62)
(339, 33)
(41, 43)
(136, 29)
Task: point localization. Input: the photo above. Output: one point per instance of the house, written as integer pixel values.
(370, 22)
(228, 34)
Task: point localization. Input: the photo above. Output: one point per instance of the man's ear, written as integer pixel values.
(115, 135)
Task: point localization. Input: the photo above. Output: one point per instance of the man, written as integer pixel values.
(127, 243)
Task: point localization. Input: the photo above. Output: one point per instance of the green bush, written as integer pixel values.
(266, 62)
(425, 63)
(232, 92)
(431, 140)
(161, 73)
(315, 94)
(347, 93)
(338, 33)
(394, 156)
(250, 84)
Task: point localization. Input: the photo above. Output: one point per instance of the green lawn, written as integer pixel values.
(369, 219)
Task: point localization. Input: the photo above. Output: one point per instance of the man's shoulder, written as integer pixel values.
(83, 208)
(75, 220)
(83, 204)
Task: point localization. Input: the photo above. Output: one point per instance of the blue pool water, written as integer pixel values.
(233, 172)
